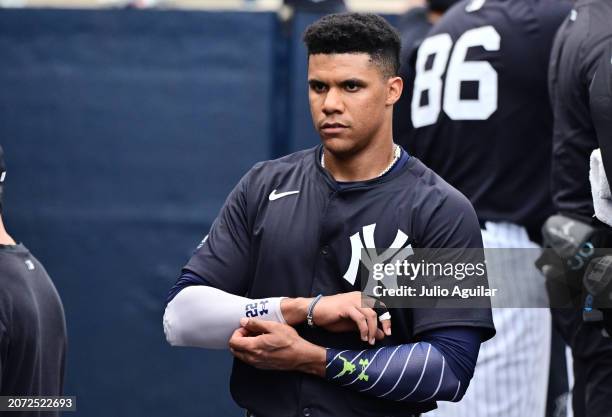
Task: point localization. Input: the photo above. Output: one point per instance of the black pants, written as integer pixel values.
(592, 353)
(558, 386)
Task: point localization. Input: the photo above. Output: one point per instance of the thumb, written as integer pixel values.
(257, 326)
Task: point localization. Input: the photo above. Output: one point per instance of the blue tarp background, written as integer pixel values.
(123, 133)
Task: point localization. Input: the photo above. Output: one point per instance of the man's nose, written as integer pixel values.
(333, 102)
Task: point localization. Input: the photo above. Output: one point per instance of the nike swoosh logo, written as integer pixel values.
(275, 196)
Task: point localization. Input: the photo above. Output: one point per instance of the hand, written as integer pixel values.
(271, 345)
(345, 312)
(339, 313)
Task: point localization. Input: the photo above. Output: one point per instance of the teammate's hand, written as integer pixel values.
(271, 345)
(345, 312)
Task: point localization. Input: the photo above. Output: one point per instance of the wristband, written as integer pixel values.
(310, 310)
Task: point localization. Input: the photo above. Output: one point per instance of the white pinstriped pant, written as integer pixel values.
(511, 376)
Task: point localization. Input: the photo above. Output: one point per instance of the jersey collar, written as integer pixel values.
(359, 185)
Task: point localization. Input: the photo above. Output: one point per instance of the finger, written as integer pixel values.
(357, 316)
(385, 323)
(240, 355)
(238, 342)
(379, 334)
(236, 334)
(258, 326)
(368, 301)
(384, 317)
(241, 332)
(380, 308)
(372, 321)
(235, 352)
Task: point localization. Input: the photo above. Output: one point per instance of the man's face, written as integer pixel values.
(350, 100)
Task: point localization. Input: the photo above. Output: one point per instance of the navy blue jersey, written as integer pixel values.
(577, 49)
(413, 27)
(480, 115)
(288, 229)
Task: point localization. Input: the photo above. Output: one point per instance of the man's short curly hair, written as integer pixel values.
(356, 33)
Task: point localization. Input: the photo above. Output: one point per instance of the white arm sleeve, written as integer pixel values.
(206, 317)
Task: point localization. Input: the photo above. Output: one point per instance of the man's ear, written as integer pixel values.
(395, 85)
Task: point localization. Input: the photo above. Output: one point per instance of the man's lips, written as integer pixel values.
(332, 128)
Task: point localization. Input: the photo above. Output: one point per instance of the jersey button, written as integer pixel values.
(306, 411)
(325, 250)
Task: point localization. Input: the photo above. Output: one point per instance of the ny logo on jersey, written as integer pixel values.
(398, 251)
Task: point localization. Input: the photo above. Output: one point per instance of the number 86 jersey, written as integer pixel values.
(479, 113)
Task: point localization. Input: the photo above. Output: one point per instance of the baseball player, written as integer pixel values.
(480, 118)
(32, 324)
(601, 112)
(416, 22)
(277, 277)
(578, 48)
(414, 26)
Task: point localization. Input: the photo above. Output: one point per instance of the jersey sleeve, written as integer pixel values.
(451, 223)
(550, 14)
(187, 279)
(452, 235)
(222, 259)
(574, 59)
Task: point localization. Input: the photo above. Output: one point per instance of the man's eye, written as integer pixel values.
(351, 87)
(319, 88)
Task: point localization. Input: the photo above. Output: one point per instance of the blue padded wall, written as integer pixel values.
(123, 132)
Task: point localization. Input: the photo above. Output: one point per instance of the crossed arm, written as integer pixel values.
(203, 316)
(424, 371)
(410, 372)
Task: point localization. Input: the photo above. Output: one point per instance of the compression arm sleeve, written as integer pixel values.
(415, 372)
(206, 317)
